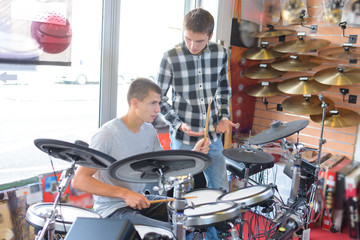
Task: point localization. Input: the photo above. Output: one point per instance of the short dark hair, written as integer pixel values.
(199, 20)
(140, 88)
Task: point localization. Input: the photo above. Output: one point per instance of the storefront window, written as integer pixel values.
(48, 101)
(147, 30)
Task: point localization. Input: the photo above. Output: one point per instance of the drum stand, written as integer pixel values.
(296, 174)
(315, 190)
(180, 187)
(49, 225)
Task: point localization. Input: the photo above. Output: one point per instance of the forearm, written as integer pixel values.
(171, 117)
(91, 185)
(223, 96)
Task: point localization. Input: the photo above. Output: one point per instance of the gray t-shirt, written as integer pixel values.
(116, 140)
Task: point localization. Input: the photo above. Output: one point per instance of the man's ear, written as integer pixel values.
(134, 102)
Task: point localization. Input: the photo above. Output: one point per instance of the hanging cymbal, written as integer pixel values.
(305, 105)
(263, 89)
(262, 53)
(294, 11)
(262, 71)
(272, 32)
(301, 45)
(333, 16)
(346, 52)
(271, 12)
(301, 85)
(338, 76)
(338, 118)
(296, 63)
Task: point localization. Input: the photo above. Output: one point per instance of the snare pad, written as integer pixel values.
(200, 196)
(249, 196)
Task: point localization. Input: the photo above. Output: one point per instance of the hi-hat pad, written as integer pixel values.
(147, 167)
(248, 155)
(279, 130)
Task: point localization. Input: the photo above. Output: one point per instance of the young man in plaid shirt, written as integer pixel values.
(196, 70)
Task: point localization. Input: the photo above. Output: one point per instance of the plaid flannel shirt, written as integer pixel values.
(194, 81)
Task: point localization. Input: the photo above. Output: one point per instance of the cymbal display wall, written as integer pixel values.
(339, 140)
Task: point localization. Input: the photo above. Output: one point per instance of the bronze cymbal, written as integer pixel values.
(272, 32)
(333, 16)
(301, 85)
(271, 12)
(293, 11)
(297, 63)
(301, 45)
(345, 52)
(338, 118)
(305, 105)
(263, 89)
(262, 71)
(261, 54)
(338, 76)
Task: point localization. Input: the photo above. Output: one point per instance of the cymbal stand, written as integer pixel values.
(296, 171)
(178, 216)
(180, 187)
(247, 166)
(49, 225)
(315, 186)
(296, 174)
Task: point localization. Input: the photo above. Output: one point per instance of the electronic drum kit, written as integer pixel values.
(193, 210)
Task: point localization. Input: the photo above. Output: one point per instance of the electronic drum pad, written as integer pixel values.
(146, 167)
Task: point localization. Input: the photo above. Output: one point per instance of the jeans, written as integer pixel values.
(156, 215)
(216, 174)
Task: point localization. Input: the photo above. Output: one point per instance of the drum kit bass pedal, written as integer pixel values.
(190, 211)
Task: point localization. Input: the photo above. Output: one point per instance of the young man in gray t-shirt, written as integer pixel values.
(120, 138)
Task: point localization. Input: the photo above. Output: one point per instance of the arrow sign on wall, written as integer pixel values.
(6, 77)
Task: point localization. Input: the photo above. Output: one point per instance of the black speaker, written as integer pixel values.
(102, 228)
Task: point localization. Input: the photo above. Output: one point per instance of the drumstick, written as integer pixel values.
(207, 120)
(169, 199)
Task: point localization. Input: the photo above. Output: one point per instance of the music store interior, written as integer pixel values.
(292, 161)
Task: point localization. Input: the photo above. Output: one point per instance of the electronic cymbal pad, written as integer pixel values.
(301, 85)
(262, 53)
(296, 63)
(148, 167)
(338, 118)
(248, 155)
(263, 89)
(278, 130)
(338, 76)
(301, 45)
(262, 71)
(305, 104)
(80, 153)
(346, 52)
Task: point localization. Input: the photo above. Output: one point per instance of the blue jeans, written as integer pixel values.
(156, 215)
(215, 174)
